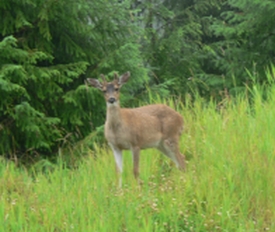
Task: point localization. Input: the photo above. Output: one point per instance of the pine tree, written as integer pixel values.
(47, 49)
(175, 43)
(245, 44)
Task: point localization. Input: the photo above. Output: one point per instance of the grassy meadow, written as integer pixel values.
(229, 184)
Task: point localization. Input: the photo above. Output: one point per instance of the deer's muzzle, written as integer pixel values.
(111, 100)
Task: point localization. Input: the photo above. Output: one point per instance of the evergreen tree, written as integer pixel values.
(176, 40)
(245, 43)
(47, 49)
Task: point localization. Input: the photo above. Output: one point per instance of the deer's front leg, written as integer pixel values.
(119, 162)
(135, 153)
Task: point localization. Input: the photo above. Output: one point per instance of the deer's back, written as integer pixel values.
(144, 126)
(170, 121)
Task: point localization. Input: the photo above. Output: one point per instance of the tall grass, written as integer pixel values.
(229, 184)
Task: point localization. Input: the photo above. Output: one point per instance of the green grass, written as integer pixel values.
(229, 184)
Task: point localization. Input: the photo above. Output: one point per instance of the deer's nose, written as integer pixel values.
(111, 100)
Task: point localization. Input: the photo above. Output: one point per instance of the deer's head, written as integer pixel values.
(110, 89)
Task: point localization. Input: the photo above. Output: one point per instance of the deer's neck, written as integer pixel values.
(113, 117)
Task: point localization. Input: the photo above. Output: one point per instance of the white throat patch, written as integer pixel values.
(115, 104)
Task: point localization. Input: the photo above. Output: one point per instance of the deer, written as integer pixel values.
(151, 126)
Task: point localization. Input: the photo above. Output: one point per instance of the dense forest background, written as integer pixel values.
(213, 48)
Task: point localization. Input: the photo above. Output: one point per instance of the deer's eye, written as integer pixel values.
(116, 89)
(104, 91)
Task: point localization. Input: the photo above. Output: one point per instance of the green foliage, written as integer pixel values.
(29, 98)
(47, 49)
(246, 40)
(207, 46)
(176, 34)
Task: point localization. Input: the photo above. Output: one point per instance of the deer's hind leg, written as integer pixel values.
(170, 148)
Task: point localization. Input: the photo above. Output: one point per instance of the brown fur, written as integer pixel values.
(134, 129)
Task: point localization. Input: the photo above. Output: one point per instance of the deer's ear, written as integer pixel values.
(124, 78)
(94, 83)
